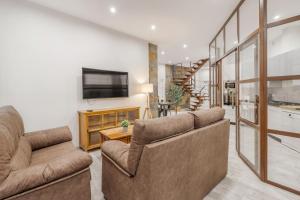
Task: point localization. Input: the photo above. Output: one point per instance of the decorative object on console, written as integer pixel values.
(90, 123)
(125, 124)
(147, 89)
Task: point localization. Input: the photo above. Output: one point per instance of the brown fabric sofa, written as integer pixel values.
(171, 158)
(42, 164)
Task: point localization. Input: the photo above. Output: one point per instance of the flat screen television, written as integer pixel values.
(104, 84)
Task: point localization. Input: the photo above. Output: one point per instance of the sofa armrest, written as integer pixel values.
(45, 138)
(38, 175)
(117, 153)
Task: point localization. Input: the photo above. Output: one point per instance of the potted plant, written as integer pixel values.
(176, 94)
(125, 124)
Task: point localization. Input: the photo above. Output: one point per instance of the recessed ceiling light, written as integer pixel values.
(153, 27)
(235, 42)
(184, 46)
(113, 10)
(187, 58)
(276, 17)
(163, 53)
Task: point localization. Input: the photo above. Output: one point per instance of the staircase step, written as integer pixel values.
(178, 81)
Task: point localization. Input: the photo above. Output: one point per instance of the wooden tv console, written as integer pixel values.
(91, 122)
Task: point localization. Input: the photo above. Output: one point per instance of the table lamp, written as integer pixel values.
(147, 89)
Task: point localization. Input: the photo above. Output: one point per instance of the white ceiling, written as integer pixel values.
(178, 22)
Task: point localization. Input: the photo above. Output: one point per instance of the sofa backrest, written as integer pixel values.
(153, 130)
(187, 166)
(204, 118)
(15, 151)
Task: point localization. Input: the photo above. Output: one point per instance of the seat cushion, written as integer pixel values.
(206, 117)
(44, 155)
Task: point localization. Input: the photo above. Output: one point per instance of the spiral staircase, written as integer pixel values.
(187, 82)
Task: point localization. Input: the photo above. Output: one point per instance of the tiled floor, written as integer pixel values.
(240, 183)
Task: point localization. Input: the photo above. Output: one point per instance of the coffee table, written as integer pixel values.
(116, 134)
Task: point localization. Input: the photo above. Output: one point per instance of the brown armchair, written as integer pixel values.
(40, 165)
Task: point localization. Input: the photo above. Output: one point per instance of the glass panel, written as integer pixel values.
(249, 60)
(249, 18)
(212, 50)
(94, 138)
(95, 122)
(249, 101)
(220, 45)
(284, 160)
(132, 116)
(231, 37)
(109, 120)
(229, 89)
(284, 105)
(281, 9)
(249, 144)
(284, 50)
(121, 116)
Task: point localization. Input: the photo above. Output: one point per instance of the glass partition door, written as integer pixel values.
(283, 78)
(248, 84)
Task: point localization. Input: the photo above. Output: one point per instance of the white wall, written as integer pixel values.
(41, 56)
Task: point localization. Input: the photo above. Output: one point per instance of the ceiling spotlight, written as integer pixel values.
(113, 10)
(187, 58)
(153, 27)
(276, 17)
(163, 53)
(184, 46)
(235, 42)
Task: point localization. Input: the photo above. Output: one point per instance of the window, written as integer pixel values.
(284, 160)
(249, 18)
(249, 60)
(284, 50)
(281, 9)
(249, 145)
(220, 45)
(249, 101)
(231, 37)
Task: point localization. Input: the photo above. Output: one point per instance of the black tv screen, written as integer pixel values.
(104, 84)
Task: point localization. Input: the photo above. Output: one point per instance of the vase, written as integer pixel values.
(125, 129)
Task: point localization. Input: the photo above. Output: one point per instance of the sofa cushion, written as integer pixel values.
(11, 128)
(39, 175)
(50, 153)
(117, 152)
(149, 131)
(206, 117)
(22, 157)
(49, 137)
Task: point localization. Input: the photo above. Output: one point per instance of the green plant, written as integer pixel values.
(175, 94)
(125, 123)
